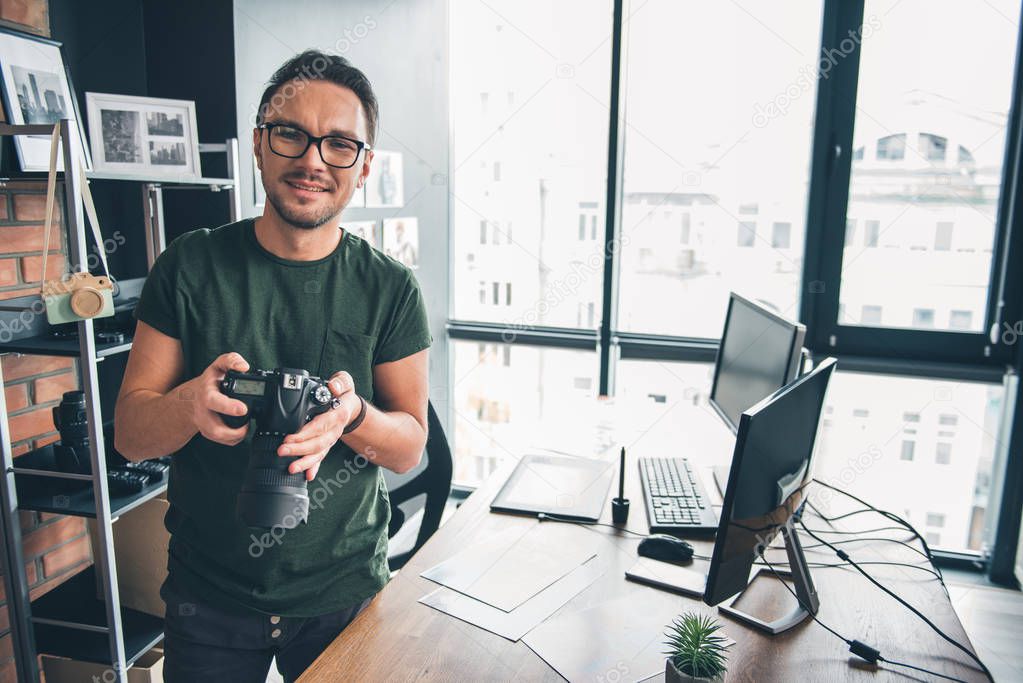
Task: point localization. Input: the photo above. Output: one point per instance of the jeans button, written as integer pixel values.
(275, 620)
(276, 633)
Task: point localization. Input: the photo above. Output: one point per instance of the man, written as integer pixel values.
(288, 289)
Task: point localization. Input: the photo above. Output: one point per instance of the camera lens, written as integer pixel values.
(72, 421)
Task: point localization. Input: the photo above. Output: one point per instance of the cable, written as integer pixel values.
(859, 531)
(890, 515)
(845, 565)
(869, 538)
(566, 520)
(858, 648)
(845, 556)
(808, 611)
(917, 668)
(542, 516)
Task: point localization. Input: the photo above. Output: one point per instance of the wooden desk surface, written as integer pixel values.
(397, 638)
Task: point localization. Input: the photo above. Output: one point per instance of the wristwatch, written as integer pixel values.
(354, 424)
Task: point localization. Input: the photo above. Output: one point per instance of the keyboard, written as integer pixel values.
(675, 499)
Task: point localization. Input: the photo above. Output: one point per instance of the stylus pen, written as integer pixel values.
(621, 475)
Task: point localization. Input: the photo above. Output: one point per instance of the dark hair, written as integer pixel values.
(313, 65)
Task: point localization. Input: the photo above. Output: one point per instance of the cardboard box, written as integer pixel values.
(140, 548)
(147, 669)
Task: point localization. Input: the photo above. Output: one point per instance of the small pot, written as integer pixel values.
(673, 675)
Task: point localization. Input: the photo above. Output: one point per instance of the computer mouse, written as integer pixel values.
(666, 548)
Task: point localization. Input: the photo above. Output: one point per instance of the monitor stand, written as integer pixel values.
(808, 602)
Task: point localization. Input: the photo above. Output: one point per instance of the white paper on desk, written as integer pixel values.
(624, 635)
(515, 624)
(510, 568)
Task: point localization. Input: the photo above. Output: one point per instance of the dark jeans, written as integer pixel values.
(205, 643)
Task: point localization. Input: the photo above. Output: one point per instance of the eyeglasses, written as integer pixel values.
(293, 142)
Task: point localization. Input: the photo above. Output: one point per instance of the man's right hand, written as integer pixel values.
(209, 403)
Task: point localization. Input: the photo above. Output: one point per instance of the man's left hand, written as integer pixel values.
(319, 435)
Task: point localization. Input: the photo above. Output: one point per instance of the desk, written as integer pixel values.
(398, 639)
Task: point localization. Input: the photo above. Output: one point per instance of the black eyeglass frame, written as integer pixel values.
(313, 140)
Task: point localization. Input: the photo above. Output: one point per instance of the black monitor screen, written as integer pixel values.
(770, 470)
(759, 354)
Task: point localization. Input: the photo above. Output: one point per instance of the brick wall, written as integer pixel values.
(55, 546)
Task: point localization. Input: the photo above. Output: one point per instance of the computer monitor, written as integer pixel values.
(760, 352)
(771, 467)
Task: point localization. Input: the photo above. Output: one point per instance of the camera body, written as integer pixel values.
(280, 401)
(78, 296)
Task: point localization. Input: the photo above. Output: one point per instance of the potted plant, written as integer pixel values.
(696, 651)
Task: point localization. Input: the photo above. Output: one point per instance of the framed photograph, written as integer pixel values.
(364, 229)
(385, 186)
(144, 136)
(401, 240)
(37, 90)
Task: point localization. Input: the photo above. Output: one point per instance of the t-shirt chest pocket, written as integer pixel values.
(352, 353)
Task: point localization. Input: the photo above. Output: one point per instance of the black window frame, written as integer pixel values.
(940, 354)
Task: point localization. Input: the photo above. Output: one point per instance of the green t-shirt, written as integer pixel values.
(220, 290)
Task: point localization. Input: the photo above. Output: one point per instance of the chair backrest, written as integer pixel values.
(432, 478)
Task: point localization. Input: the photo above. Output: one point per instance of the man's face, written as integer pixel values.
(305, 192)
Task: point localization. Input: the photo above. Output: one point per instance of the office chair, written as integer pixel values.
(431, 478)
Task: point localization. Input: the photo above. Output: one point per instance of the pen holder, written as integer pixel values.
(619, 510)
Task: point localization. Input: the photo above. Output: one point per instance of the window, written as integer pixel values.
(685, 227)
(907, 450)
(497, 292)
(491, 425)
(747, 233)
(861, 413)
(780, 233)
(850, 231)
(923, 317)
(892, 147)
(483, 292)
(665, 382)
(872, 230)
(948, 420)
(732, 162)
(879, 475)
(938, 81)
(507, 294)
(911, 417)
(932, 147)
(935, 519)
(582, 227)
(960, 320)
(593, 227)
(562, 160)
(943, 236)
(870, 315)
(943, 453)
(933, 539)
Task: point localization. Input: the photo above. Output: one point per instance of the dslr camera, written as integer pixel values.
(281, 401)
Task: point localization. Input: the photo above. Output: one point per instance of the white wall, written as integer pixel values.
(402, 49)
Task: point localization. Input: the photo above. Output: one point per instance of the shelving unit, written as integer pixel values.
(70, 621)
